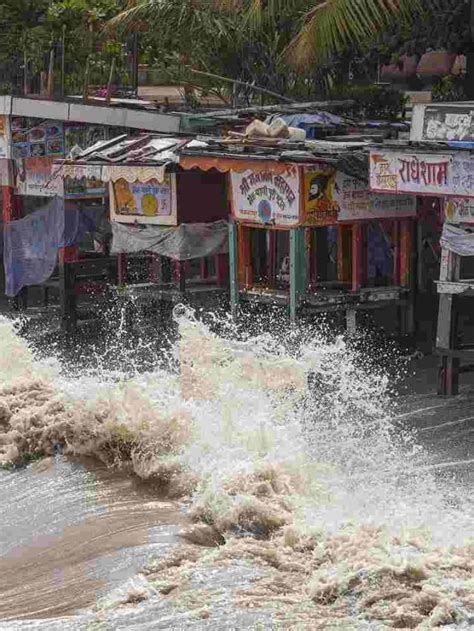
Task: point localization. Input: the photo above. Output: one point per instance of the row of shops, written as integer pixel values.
(339, 225)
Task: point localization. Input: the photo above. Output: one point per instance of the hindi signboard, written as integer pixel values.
(448, 123)
(397, 172)
(459, 210)
(463, 174)
(332, 196)
(147, 203)
(266, 196)
(39, 177)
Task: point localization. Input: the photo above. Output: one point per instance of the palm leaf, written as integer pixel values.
(333, 25)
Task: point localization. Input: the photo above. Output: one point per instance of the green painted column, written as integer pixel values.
(234, 269)
(297, 270)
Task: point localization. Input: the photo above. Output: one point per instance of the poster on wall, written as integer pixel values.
(33, 138)
(332, 196)
(266, 196)
(448, 123)
(320, 187)
(463, 174)
(4, 138)
(86, 187)
(38, 176)
(149, 203)
(6, 173)
(394, 172)
(83, 136)
(83, 181)
(459, 210)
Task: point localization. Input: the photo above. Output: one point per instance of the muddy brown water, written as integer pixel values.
(56, 571)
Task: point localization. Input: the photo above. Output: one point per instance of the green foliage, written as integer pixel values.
(298, 48)
(450, 88)
(372, 102)
(30, 29)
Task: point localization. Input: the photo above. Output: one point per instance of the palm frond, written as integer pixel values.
(137, 11)
(333, 25)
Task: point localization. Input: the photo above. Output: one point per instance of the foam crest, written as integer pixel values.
(291, 443)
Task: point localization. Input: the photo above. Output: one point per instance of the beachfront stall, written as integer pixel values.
(168, 227)
(35, 137)
(306, 234)
(438, 165)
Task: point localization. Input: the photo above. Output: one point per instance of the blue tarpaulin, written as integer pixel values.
(310, 122)
(31, 244)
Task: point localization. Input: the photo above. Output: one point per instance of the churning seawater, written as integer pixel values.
(253, 483)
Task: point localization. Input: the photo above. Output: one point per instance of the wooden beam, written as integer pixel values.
(256, 88)
(234, 234)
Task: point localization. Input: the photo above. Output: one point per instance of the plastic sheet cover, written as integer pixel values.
(457, 240)
(182, 243)
(31, 244)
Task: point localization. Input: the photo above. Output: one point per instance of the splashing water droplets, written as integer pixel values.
(289, 440)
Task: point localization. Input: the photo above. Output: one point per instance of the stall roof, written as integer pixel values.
(146, 149)
(426, 146)
(206, 153)
(350, 157)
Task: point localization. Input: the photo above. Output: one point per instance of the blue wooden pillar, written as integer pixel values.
(297, 270)
(234, 269)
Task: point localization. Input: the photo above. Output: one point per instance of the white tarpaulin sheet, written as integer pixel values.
(181, 243)
(457, 240)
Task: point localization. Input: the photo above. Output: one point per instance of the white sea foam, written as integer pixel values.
(299, 448)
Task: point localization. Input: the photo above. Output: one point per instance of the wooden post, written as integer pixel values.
(179, 269)
(357, 257)
(110, 82)
(297, 271)
(13, 209)
(406, 314)
(405, 252)
(234, 234)
(166, 271)
(63, 62)
(272, 255)
(85, 94)
(154, 268)
(446, 337)
(244, 257)
(67, 256)
(204, 267)
(344, 253)
(396, 252)
(122, 269)
(8, 209)
(420, 279)
(322, 254)
(222, 269)
(50, 88)
(25, 73)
